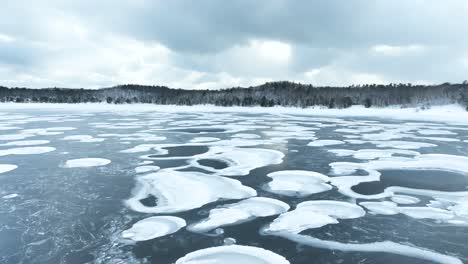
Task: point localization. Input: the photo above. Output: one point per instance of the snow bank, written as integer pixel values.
(446, 113)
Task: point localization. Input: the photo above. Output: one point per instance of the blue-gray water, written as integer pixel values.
(76, 215)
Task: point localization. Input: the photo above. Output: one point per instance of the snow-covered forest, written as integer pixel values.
(267, 95)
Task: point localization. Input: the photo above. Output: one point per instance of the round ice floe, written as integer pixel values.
(15, 136)
(26, 143)
(177, 191)
(240, 212)
(404, 199)
(26, 151)
(233, 254)
(83, 138)
(7, 167)
(146, 168)
(86, 162)
(314, 214)
(297, 183)
(153, 227)
(323, 143)
(240, 161)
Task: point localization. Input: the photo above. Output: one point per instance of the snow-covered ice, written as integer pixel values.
(153, 227)
(233, 254)
(86, 162)
(240, 212)
(178, 191)
(297, 183)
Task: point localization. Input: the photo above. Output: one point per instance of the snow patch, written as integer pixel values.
(153, 227)
(240, 212)
(233, 254)
(86, 162)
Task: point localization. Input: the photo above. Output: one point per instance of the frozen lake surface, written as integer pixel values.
(229, 187)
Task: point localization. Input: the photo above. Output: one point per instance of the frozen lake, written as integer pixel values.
(165, 187)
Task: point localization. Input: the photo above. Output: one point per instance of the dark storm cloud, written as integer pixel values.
(219, 40)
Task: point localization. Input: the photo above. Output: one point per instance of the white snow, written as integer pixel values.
(83, 138)
(146, 168)
(297, 183)
(26, 143)
(240, 212)
(10, 196)
(390, 208)
(203, 139)
(314, 214)
(369, 154)
(86, 162)
(404, 199)
(325, 142)
(246, 136)
(385, 247)
(7, 167)
(153, 227)
(26, 151)
(240, 160)
(178, 191)
(232, 254)
(454, 114)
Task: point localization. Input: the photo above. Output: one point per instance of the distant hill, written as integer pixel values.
(267, 95)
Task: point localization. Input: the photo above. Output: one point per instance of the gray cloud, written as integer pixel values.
(209, 44)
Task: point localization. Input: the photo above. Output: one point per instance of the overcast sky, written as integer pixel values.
(217, 44)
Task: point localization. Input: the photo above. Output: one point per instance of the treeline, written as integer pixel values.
(267, 95)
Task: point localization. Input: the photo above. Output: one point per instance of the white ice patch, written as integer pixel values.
(145, 169)
(390, 208)
(10, 196)
(233, 254)
(404, 199)
(385, 247)
(26, 143)
(450, 163)
(15, 136)
(314, 214)
(402, 144)
(203, 139)
(83, 138)
(178, 191)
(86, 162)
(370, 154)
(147, 147)
(297, 183)
(153, 227)
(26, 151)
(431, 132)
(240, 161)
(240, 212)
(7, 167)
(246, 136)
(324, 142)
